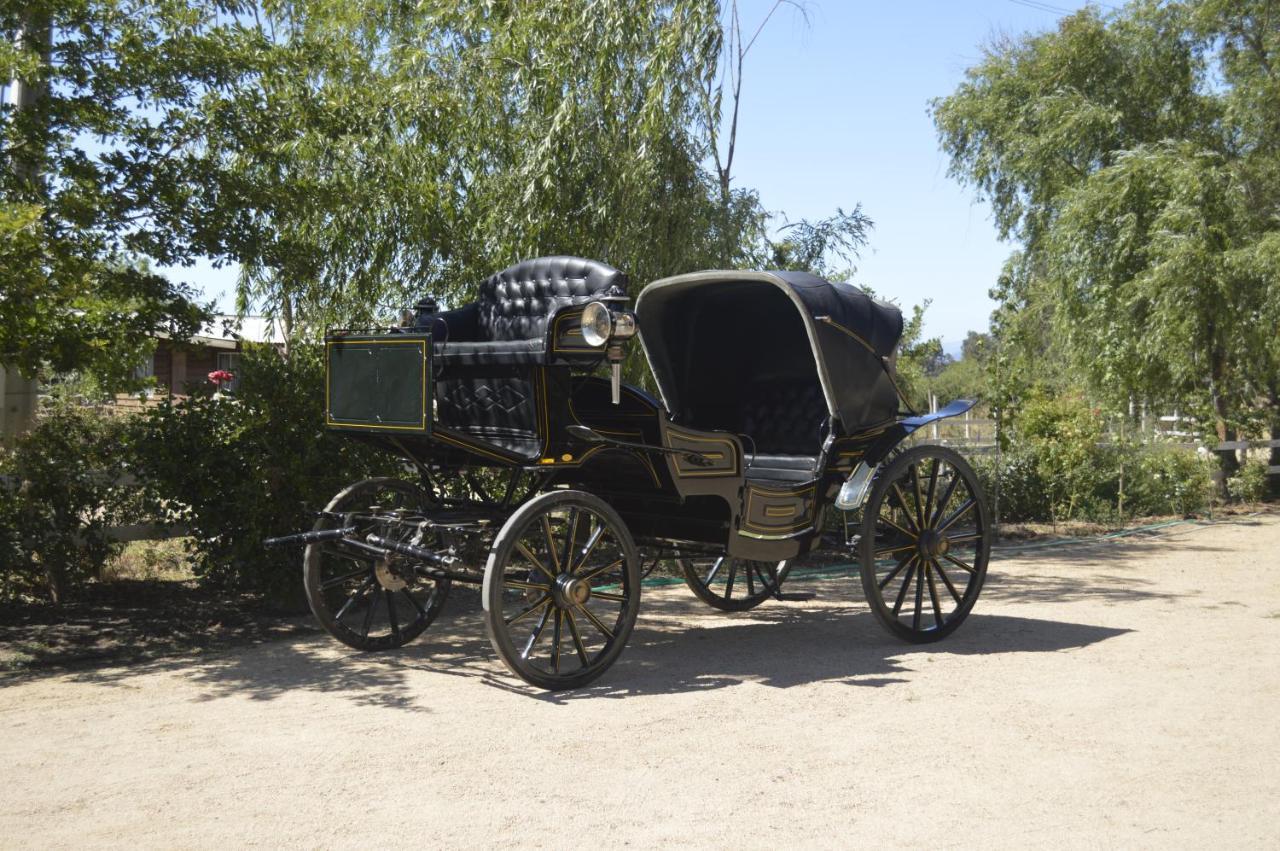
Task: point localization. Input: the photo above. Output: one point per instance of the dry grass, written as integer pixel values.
(150, 560)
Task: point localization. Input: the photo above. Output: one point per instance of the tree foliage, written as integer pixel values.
(407, 149)
(96, 174)
(1134, 157)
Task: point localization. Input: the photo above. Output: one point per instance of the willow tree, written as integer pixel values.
(1133, 156)
(409, 149)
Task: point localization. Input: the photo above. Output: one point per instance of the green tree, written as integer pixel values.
(400, 150)
(96, 167)
(1134, 158)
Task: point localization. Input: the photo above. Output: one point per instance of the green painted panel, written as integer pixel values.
(378, 383)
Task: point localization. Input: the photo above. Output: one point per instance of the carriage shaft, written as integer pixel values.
(315, 537)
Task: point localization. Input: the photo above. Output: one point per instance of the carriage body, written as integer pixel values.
(775, 402)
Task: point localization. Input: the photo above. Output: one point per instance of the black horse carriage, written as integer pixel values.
(551, 485)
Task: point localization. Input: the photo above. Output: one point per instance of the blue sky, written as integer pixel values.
(836, 112)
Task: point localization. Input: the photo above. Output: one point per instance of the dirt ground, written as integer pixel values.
(1116, 694)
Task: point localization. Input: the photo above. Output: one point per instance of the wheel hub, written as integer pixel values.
(571, 591)
(387, 577)
(933, 544)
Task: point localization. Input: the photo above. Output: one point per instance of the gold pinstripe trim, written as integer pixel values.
(719, 441)
(801, 493)
(449, 437)
(555, 333)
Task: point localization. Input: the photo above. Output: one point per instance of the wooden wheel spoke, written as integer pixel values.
(964, 509)
(768, 576)
(590, 547)
(551, 544)
(967, 568)
(577, 638)
(596, 622)
(912, 520)
(902, 592)
(339, 580)
(927, 511)
(715, 568)
(532, 559)
(733, 570)
(946, 580)
(422, 613)
(569, 535)
(933, 594)
(537, 633)
(555, 647)
(599, 570)
(945, 500)
(915, 618)
(356, 595)
(391, 612)
(892, 550)
(915, 487)
(751, 582)
(911, 535)
(368, 615)
(604, 595)
(896, 571)
(527, 586)
(519, 616)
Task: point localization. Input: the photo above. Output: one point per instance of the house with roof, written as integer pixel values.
(179, 365)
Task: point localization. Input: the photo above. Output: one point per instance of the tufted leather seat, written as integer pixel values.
(785, 419)
(507, 323)
(516, 303)
(491, 348)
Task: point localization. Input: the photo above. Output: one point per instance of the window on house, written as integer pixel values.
(145, 370)
(230, 361)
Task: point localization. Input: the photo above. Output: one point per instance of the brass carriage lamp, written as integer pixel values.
(604, 324)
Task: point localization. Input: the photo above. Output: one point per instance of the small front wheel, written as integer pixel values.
(364, 601)
(926, 539)
(561, 589)
(715, 579)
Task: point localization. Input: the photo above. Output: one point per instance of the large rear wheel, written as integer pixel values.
(561, 589)
(365, 601)
(926, 539)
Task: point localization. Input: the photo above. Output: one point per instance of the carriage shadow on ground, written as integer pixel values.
(678, 646)
(681, 646)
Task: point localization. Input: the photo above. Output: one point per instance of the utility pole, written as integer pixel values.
(18, 394)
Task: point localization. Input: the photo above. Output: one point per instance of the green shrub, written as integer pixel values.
(240, 469)
(65, 486)
(1023, 496)
(1250, 484)
(1170, 481)
(1061, 434)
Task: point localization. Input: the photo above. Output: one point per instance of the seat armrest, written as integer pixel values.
(458, 325)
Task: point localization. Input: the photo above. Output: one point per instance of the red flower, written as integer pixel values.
(221, 376)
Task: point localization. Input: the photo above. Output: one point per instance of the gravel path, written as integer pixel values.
(1116, 694)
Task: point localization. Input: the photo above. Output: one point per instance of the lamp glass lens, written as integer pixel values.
(597, 324)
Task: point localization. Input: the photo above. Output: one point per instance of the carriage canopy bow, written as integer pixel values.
(718, 333)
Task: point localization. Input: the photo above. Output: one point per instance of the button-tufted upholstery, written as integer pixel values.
(490, 348)
(516, 303)
(785, 419)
